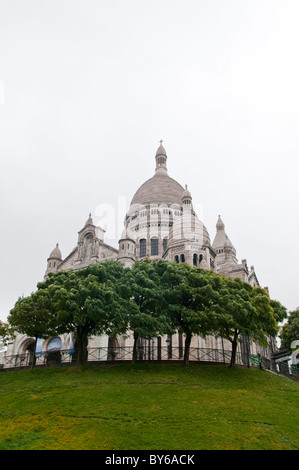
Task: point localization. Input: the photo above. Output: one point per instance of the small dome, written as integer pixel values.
(56, 253)
(127, 234)
(220, 225)
(189, 227)
(221, 239)
(228, 243)
(161, 151)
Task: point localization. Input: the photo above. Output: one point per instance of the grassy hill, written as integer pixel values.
(148, 406)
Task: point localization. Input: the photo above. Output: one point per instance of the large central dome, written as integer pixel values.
(162, 224)
(160, 189)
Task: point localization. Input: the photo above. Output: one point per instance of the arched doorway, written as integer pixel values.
(26, 353)
(112, 348)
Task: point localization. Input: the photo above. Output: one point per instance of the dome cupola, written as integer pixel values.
(161, 158)
(160, 189)
(54, 260)
(187, 198)
(56, 253)
(127, 248)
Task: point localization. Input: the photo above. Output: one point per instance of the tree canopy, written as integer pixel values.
(153, 298)
(149, 319)
(290, 330)
(86, 302)
(34, 316)
(241, 309)
(190, 297)
(7, 333)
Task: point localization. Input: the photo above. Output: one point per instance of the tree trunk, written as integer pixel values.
(234, 350)
(134, 357)
(187, 348)
(33, 355)
(81, 349)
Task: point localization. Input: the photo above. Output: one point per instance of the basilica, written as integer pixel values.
(161, 223)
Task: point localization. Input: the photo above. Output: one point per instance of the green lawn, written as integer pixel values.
(149, 407)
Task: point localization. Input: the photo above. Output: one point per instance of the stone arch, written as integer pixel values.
(54, 346)
(27, 350)
(88, 245)
(27, 345)
(113, 348)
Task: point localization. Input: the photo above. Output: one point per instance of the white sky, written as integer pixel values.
(87, 90)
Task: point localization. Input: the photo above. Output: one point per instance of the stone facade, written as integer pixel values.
(161, 224)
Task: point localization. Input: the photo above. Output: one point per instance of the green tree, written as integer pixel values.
(86, 302)
(149, 317)
(190, 296)
(243, 310)
(34, 317)
(280, 314)
(6, 333)
(290, 330)
(279, 311)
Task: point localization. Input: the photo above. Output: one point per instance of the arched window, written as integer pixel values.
(142, 247)
(54, 345)
(154, 246)
(182, 258)
(200, 259)
(176, 259)
(195, 259)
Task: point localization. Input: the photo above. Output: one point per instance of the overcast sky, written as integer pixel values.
(88, 89)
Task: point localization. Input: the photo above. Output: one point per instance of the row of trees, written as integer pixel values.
(153, 298)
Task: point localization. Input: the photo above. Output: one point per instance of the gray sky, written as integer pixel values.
(87, 90)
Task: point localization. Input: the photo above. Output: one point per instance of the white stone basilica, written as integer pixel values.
(161, 224)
